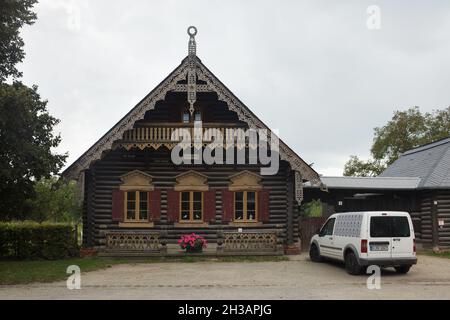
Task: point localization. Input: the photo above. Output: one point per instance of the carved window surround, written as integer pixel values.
(245, 181)
(190, 224)
(136, 225)
(191, 181)
(136, 181)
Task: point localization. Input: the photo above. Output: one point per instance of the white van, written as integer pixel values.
(361, 239)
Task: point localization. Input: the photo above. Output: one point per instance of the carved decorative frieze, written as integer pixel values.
(148, 241)
(249, 242)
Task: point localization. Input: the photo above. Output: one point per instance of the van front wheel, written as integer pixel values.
(314, 254)
(352, 265)
(402, 269)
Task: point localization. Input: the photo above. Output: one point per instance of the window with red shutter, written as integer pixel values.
(209, 211)
(155, 205)
(118, 205)
(263, 205)
(227, 205)
(173, 205)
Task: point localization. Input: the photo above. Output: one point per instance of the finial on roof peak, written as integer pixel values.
(192, 79)
(192, 46)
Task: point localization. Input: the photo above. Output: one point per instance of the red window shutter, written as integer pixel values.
(209, 206)
(227, 205)
(154, 207)
(173, 205)
(117, 205)
(263, 205)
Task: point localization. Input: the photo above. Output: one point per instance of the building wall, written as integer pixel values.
(104, 175)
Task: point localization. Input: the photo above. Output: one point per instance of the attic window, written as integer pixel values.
(197, 116)
(185, 117)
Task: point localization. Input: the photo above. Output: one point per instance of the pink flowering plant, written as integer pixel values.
(192, 242)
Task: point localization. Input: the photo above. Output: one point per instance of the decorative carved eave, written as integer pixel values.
(105, 143)
(191, 181)
(136, 180)
(245, 180)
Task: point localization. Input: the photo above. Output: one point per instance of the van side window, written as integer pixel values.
(327, 229)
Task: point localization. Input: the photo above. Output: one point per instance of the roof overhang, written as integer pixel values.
(105, 143)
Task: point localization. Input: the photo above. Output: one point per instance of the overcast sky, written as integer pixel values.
(312, 69)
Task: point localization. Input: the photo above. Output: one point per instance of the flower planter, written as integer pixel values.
(192, 243)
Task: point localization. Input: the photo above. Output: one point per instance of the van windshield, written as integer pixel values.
(389, 227)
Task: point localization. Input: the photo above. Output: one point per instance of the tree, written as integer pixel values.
(406, 130)
(357, 167)
(13, 15)
(55, 200)
(26, 140)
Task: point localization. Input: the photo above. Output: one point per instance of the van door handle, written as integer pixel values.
(331, 238)
(396, 239)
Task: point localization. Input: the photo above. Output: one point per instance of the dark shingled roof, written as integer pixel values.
(430, 162)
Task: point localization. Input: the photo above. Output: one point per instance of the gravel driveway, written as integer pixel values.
(295, 279)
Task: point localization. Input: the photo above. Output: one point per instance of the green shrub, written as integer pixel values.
(314, 208)
(32, 240)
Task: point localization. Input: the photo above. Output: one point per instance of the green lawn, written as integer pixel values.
(440, 255)
(22, 272)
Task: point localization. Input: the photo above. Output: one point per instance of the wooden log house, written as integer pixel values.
(136, 200)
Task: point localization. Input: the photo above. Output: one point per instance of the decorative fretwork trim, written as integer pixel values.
(249, 242)
(132, 241)
(170, 84)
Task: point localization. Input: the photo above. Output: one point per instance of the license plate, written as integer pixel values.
(379, 247)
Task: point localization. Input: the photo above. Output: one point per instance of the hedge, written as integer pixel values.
(32, 240)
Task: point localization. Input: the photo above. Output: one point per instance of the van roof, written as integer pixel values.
(391, 213)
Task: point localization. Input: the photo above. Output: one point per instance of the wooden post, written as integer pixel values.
(290, 247)
(434, 223)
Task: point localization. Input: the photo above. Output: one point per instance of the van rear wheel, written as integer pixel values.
(352, 265)
(402, 269)
(314, 254)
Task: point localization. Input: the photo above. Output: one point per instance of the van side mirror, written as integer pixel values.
(318, 231)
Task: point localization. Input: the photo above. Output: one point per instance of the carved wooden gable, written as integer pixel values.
(137, 180)
(192, 181)
(245, 180)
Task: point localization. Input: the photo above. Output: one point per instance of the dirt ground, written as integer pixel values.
(297, 278)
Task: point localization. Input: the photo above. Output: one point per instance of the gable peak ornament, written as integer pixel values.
(192, 74)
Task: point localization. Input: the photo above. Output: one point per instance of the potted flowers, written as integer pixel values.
(192, 243)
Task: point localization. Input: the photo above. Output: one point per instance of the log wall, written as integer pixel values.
(103, 177)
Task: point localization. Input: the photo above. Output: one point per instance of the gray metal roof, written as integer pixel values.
(385, 183)
(430, 163)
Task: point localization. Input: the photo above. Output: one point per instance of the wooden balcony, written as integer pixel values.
(160, 134)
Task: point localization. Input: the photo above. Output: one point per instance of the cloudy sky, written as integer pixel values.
(312, 69)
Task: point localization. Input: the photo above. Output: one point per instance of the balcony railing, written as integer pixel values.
(156, 135)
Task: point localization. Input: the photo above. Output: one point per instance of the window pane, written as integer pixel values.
(197, 116)
(143, 196)
(389, 227)
(239, 206)
(130, 214)
(238, 215)
(251, 215)
(197, 196)
(185, 206)
(131, 205)
(197, 206)
(239, 196)
(197, 215)
(251, 197)
(184, 215)
(185, 117)
(185, 196)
